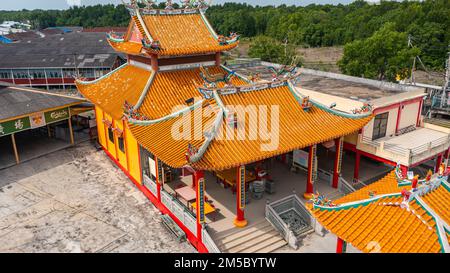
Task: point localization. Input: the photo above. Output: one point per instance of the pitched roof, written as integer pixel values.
(381, 224)
(178, 32)
(184, 34)
(297, 129)
(18, 101)
(111, 91)
(80, 49)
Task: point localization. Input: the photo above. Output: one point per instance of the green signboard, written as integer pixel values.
(33, 121)
(56, 115)
(14, 126)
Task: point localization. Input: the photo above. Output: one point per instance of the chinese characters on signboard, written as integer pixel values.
(241, 187)
(201, 200)
(33, 121)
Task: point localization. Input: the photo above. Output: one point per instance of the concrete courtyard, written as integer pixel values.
(76, 200)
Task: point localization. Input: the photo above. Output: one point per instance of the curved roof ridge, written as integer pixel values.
(326, 108)
(102, 77)
(145, 91)
(167, 117)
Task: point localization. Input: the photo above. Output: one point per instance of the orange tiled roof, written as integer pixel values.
(374, 226)
(439, 201)
(173, 88)
(127, 47)
(111, 91)
(298, 129)
(183, 34)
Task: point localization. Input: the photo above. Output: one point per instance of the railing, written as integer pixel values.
(209, 242)
(275, 209)
(174, 205)
(405, 152)
(345, 187)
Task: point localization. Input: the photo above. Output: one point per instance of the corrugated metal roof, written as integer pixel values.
(20, 101)
(62, 50)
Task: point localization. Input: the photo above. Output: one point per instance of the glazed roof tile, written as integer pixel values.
(381, 225)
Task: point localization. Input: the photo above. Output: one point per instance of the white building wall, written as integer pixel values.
(392, 122)
(409, 115)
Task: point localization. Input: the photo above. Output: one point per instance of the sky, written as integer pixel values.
(64, 4)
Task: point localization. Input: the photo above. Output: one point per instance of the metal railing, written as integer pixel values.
(275, 209)
(209, 242)
(345, 187)
(410, 153)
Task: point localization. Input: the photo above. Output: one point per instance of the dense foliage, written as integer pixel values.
(427, 21)
(384, 55)
(270, 50)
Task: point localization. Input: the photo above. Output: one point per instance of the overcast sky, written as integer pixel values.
(63, 4)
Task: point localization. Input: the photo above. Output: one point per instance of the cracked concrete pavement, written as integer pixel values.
(77, 200)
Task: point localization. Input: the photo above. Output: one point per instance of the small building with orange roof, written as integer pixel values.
(392, 215)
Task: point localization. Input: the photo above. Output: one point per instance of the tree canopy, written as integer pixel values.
(384, 55)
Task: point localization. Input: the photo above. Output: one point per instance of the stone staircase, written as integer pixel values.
(258, 238)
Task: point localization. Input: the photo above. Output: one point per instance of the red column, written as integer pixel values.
(399, 116)
(404, 170)
(341, 246)
(199, 181)
(309, 181)
(240, 221)
(438, 163)
(218, 59)
(158, 183)
(154, 62)
(419, 112)
(357, 162)
(337, 162)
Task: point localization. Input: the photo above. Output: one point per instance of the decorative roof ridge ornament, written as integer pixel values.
(114, 37)
(214, 79)
(169, 5)
(233, 38)
(365, 108)
(132, 7)
(151, 45)
(149, 4)
(320, 200)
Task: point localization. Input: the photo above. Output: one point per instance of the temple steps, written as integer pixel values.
(260, 237)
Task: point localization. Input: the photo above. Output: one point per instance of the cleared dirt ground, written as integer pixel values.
(76, 200)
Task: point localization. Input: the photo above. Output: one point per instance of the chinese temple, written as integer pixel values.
(167, 109)
(392, 215)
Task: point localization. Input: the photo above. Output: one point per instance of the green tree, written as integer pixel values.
(271, 50)
(383, 56)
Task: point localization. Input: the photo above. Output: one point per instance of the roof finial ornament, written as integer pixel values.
(131, 7)
(169, 4)
(149, 4)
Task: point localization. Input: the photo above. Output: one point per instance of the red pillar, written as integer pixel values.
(218, 59)
(337, 161)
(154, 62)
(309, 182)
(199, 181)
(399, 117)
(445, 159)
(240, 221)
(341, 246)
(404, 170)
(438, 163)
(357, 162)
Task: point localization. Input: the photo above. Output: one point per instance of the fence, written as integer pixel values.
(182, 213)
(275, 209)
